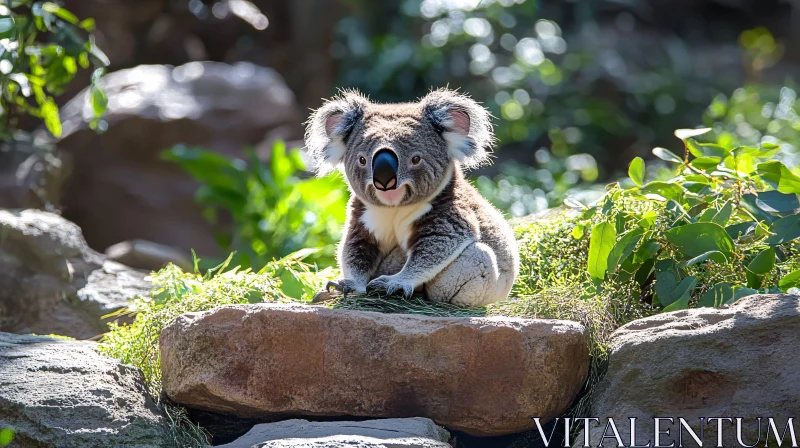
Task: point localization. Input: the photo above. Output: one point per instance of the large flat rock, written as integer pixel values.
(58, 393)
(390, 432)
(737, 362)
(483, 376)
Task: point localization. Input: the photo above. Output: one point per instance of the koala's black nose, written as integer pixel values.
(384, 170)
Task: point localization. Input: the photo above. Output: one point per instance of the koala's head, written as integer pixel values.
(398, 154)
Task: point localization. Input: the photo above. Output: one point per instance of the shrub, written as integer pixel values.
(275, 209)
(44, 45)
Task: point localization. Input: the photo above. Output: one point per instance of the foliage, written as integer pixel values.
(42, 46)
(275, 210)
(6, 436)
(725, 226)
(176, 292)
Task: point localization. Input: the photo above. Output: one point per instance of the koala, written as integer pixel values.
(414, 223)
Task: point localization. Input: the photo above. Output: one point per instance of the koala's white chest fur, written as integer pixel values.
(392, 226)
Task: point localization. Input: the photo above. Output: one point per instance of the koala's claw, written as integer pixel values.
(391, 285)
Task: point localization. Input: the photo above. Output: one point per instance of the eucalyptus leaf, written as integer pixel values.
(784, 230)
(601, 242)
(636, 171)
(777, 202)
(718, 295)
(790, 280)
(696, 239)
(666, 155)
(706, 149)
(779, 176)
(623, 248)
(684, 134)
(713, 255)
(763, 263)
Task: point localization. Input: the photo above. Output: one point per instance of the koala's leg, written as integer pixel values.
(472, 279)
(392, 262)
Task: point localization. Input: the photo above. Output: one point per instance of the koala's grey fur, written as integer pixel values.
(435, 232)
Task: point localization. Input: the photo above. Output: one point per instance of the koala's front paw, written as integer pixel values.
(391, 284)
(347, 286)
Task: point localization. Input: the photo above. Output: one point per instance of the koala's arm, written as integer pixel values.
(359, 254)
(437, 241)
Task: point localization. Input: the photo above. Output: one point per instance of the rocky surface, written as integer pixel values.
(52, 282)
(148, 255)
(736, 362)
(392, 432)
(60, 393)
(30, 176)
(483, 376)
(121, 189)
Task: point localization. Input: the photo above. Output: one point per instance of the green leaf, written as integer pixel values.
(6, 436)
(706, 149)
(724, 214)
(668, 191)
(623, 248)
(666, 155)
(739, 292)
(99, 100)
(741, 229)
(60, 12)
(678, 294)
(87, 24)
(50, 115)
(784, 229)
(601, 242)
(746, 158)
(763, 262)
(705, 163)
(683, 134)
(636, 171)
(577, 232)
(777, 202)
(698, 238)
(713, 255)
(6, 27)
(790, 280)
(781, 178)
(716, 296)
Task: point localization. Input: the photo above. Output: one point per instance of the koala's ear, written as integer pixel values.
(328, 127)
(464, 124)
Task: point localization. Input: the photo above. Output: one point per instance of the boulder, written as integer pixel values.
(60, 393)
(148, 255)
(31, 176)
(121, 189)
(392, 432)
(52, 282)
(484, 376)
(706, 362)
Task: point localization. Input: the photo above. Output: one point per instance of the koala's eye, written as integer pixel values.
(415, 160)
(362, 160)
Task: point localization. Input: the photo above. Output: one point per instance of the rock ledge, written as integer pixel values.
(483, 376)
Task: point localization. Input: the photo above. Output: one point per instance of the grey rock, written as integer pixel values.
(141, 254)
(121, 188)
(736, 362)
(415, 432)
(52, 282)
(31, 176)
(60, 393)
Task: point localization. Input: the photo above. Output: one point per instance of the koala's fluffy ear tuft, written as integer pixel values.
(464, 123)
(328, 127)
